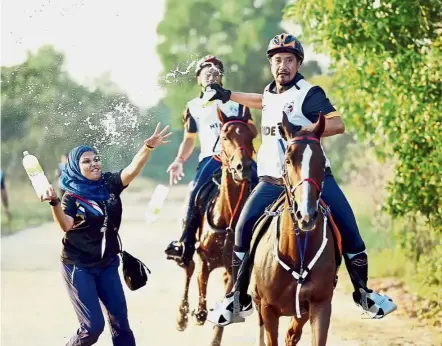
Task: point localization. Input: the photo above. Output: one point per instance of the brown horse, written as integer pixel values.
(294, 261)
(215, 233)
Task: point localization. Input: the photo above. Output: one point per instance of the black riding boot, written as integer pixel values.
(241, 270)
(189, 239)
(183, 251)
(357, 267)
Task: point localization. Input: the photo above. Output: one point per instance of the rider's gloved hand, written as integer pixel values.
(220, 93)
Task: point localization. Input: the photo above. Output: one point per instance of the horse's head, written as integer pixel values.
(236, 147)
(304, 166)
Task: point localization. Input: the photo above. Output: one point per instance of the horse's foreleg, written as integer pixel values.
(183, 310)
(203, 278)
(320, 313)
(218, 331)
(260, 337)
(270, 318)
(295, 330)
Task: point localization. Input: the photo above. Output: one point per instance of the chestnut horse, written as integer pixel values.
(294, 261)
(215, 233)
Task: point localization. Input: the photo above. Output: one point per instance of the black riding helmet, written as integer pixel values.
(285, 43)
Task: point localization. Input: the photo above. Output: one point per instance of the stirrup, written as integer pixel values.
(220, 315)
(375, 305)
(177, 247)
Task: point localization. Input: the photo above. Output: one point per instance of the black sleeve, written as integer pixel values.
(69, 205)
(113, 182)
(315, 102)
(189, 122)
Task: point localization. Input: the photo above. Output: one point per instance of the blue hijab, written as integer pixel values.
(71, 179)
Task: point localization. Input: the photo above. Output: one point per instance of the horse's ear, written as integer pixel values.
(320, 125)
(222, 117)
(286, 129)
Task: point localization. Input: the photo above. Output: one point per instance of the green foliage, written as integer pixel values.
(428, 275)
(342, 150)
(387, 76)
(387, 85)
(237, 31)
(46, 112)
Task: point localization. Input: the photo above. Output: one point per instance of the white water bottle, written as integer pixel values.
(35, 174)
(156, 203)
(208, 93)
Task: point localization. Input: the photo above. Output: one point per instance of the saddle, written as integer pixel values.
(263, 224)
(207, 192)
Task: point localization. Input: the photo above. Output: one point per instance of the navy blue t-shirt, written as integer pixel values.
(96, 226)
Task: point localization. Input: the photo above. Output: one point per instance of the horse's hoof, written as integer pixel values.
(181, 323)
(201, 317)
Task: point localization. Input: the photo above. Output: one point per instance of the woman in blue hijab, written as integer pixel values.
(90, 215)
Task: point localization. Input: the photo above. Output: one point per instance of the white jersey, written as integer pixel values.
(206, 122)
(270, 155)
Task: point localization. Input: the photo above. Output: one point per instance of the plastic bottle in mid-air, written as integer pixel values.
(156, 202)
(36, 174)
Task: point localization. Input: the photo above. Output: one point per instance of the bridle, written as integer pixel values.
(225, 159)
(290, 189)
(227, 162)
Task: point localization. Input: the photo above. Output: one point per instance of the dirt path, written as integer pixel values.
(36, 310)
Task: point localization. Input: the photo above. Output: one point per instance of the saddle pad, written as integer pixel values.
(336, 235)
(262, 225)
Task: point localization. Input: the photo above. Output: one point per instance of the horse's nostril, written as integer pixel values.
(298, 215)
(239, 167)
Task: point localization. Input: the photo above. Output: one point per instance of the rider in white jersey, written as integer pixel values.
(302, 102)
(202, 118)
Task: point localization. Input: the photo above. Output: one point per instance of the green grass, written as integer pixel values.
(377, 231)
(388, 263)
(25, 207)
(384, 259)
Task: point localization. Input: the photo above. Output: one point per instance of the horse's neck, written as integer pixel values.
(230, 195)
(288, 244)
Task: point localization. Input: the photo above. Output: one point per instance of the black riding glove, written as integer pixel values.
(220, 93)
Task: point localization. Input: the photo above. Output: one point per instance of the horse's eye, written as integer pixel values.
(224, 138)
(287, 162)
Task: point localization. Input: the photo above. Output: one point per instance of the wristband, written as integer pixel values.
(54, 202)
(149, 147)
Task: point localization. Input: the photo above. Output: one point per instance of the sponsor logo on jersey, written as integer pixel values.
(268, 130)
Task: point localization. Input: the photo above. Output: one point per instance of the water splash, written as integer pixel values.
(177, 76)
(123, 126)
(118, 127)
(180, 76)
